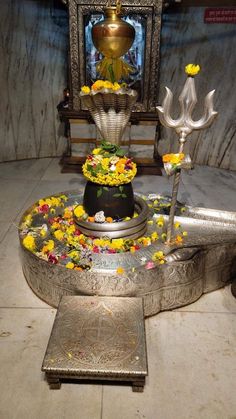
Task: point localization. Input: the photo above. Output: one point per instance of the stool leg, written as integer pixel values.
(138, 386)
(54, 382)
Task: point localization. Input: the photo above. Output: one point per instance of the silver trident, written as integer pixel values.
(183, 126)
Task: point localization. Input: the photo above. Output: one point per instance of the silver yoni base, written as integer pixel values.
(97, 338)
(204, 262)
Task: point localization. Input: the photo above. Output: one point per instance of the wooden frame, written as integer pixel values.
(152, 9)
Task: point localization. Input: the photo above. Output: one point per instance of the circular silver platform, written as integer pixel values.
(205, 261)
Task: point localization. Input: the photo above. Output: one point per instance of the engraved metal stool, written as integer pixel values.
(97, 338)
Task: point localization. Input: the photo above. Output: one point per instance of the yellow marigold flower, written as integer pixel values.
(105, 163)
(79, 211)
(70, 265)
(29, 242)
(85, 89)
(120, 270)
(116, 86)
(185, 233)
(177, 224)
(158, 257)
(56, 202)
(28, 220)
(49, 245)
(98, 85)
(43, 232)
(108, 85)
(154, 236)
(132, 249)
(42, 202)
(59, 234)
(96, 151)
(71, 229)
(74, 254)
(160, 221)
(97, 242)
(173, 158)
(192, 69)
(64, 197)
(117, 243)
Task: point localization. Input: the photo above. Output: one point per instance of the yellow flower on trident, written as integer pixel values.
(192, 69)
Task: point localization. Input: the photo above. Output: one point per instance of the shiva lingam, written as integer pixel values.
(183, 126)
(109, 191)
(58, 260)
(109, 172)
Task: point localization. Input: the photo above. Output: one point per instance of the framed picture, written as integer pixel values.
(143, 55)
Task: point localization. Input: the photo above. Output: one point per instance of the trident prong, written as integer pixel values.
(183, 126)
(187, 100)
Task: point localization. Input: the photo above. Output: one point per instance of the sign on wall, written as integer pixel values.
(220, 15)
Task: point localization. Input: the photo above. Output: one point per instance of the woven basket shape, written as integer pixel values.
(111, 112)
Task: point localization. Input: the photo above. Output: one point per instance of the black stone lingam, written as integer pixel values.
(116, 201)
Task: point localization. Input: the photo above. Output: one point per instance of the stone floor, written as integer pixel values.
(191, 351)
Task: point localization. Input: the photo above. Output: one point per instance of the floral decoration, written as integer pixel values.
(100, 85)
(173, 160)
(107, 165)
(192, 69)
(50, 232)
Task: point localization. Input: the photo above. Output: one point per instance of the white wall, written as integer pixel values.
(33, 70)
(33, 51)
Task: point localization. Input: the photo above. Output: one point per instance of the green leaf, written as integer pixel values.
(120, 152)
(111, 72)
(99, 192)
(109, 146)
(105, 188)
(116, 195)
(121, 188)
(124, 195)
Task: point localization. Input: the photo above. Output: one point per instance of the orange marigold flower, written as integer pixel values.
(109, 219)
(120, 270)
(78, 268)
(178, 239)
(91, 219)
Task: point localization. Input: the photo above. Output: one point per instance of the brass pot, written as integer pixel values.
(113, 36)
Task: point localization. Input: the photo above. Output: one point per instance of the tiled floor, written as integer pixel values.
(191, 351)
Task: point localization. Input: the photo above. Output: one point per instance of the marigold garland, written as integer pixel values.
(108, 166)
(63, 243)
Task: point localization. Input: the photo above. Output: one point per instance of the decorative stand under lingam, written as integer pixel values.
(183, 126)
